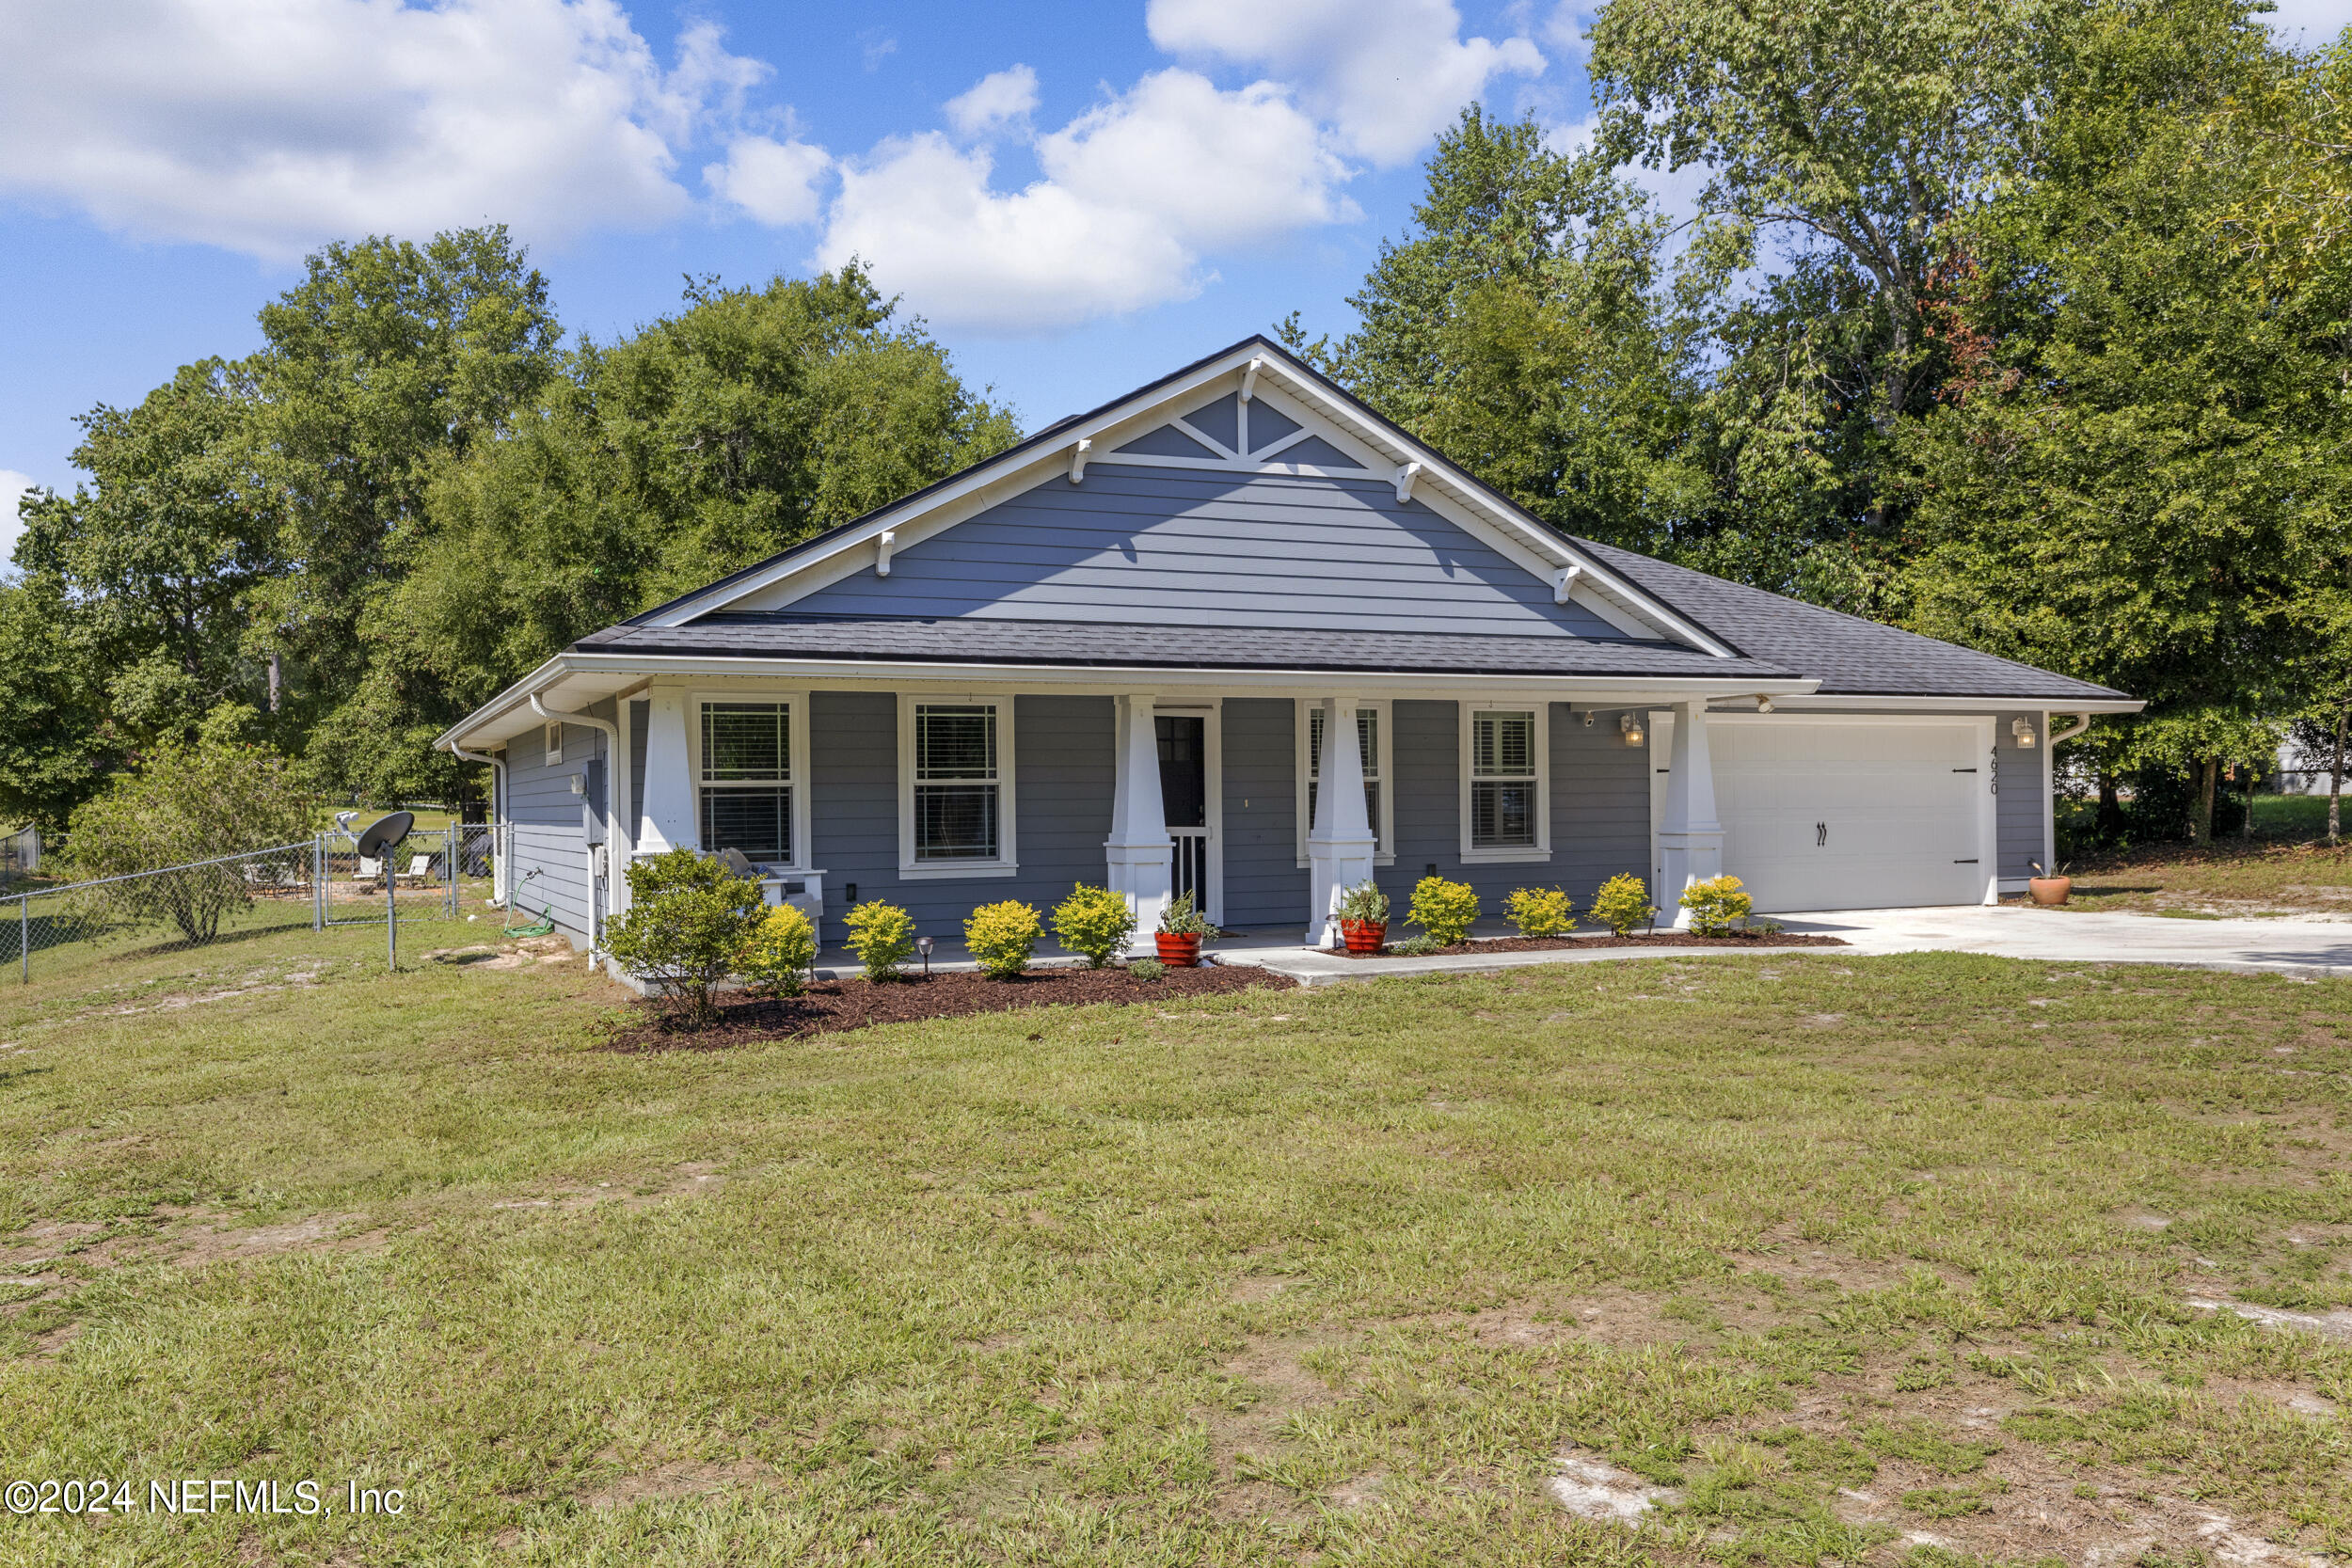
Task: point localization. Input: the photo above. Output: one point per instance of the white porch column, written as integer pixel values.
(668, 817)
(1140, 855)
(1339, 842)
(1689, 840)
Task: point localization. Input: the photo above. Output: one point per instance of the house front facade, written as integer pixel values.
(1234, 635)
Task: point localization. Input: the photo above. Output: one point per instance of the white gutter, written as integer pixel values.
(2082, 722)
(498, 814)
(597, 916)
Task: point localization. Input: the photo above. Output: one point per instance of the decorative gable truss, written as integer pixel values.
(1252, 410)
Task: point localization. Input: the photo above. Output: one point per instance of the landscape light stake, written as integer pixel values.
(926, 944)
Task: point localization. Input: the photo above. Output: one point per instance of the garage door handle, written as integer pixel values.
(1821, 835)
(1963, 862)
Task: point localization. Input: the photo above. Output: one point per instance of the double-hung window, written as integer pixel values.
(1371, 749)
(1503, 795)
(957, 808)
(750, 792)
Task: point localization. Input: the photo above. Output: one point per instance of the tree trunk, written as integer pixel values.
(2245, 828)
(2335, 783)
(2110, 806)
(2200, 821)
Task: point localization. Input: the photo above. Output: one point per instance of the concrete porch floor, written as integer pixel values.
(2061, 936)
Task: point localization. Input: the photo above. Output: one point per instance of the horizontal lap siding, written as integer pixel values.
(1264, 884)
(2023, 806)
(1062, 796)
(551, 864)
(1205, 549)
(1599, 810)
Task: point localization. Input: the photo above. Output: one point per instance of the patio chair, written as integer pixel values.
(420, 869)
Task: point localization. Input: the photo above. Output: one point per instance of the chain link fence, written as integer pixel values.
(317, 883)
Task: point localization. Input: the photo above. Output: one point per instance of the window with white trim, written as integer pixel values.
(1372, 750)
(749, 792)
(1506, 798)
(957, 796)
(554, 742)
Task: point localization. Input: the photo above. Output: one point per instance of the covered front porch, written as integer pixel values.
(943, 797)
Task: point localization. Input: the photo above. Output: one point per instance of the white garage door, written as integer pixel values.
(1852, 816)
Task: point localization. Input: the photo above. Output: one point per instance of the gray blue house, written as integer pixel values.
(1236, 635)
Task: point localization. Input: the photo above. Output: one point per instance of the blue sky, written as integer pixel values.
(1078, 197)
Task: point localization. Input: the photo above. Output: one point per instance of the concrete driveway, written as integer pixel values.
(2013, 931)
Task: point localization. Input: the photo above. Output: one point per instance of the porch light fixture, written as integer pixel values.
(2023, 730)
(1632, 728)
(1763, 704)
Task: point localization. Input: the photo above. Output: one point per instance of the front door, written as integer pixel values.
(1184, 794)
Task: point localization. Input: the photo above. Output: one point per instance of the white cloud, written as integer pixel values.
(924, 215)
(774, 182)
(1136, 192)
(1214, 167)
(12, 488)
(266, 126)
(1388, 75)
(1000, 96)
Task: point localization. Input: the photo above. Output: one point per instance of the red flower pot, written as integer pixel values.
(1364, 936)
(1179, 951)
(2050, 890)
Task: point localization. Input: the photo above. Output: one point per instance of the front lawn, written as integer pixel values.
(2285, 867)
(1842, 1257)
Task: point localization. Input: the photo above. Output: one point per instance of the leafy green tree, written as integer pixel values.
(186, 805)
(157, 559)
(706, 441)
(53, 746)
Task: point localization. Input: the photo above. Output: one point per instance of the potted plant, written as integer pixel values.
(2049, 889)
(1364, 917)
(1182, 926)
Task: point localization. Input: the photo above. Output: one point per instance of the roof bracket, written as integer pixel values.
(1250, 379)
(1404, 477)
(1562, 580)
(882, 547)
(1078, 461)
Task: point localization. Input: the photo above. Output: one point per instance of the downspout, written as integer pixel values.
(497, 813)
(2082, 722)
(611, 754)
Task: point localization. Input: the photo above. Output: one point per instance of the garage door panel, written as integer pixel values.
(1820, 815)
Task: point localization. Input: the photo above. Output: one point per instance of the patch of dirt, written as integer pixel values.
(678, 1479)
(831, 1007)
(2328, 1325)
(318, 1233)
(1591, 1490)
(1656, 939)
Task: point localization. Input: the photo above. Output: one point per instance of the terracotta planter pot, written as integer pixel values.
(1364, 936)
(2051, 889)
(1178, 952)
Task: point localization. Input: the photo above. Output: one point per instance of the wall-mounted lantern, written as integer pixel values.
(2023, 730)
(1631, 725)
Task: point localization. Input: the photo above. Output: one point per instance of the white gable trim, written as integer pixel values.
(1281, 384)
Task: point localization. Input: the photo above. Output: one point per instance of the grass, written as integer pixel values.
(1288, 1276)
(2285, 868)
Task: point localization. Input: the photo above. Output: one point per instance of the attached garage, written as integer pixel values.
(1870, 811)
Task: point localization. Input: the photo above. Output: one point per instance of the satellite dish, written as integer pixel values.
(386, 832)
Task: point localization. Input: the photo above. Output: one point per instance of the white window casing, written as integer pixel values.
(1506, 767)
(745, 748)
(957, 811)
(1379, 772)
(554, 743)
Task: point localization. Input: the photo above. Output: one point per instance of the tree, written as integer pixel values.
(706, 441)
(53, 744)
(186, 804)
(155, 560)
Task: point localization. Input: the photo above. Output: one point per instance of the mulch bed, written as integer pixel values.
(829, 1006)
(1584, 944)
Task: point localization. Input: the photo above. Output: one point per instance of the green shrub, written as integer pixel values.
(1715, 905)
(1095, 922)
(778, 953)
(1146, 968)
(1540, 911)
(882, 937)
(1414, 947)
(1623, 903)
(1180, 919)
(1364, 901)
(186, 803)
(688, 922)
(1444, 909)
(1002, 937)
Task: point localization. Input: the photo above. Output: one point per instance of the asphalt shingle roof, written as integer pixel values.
(781, 635)
(1850, 656)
